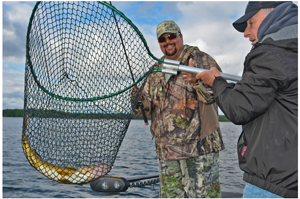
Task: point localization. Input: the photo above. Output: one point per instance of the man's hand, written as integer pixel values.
(208, 77)
(190, 77)
(135, 90)
(156, 103)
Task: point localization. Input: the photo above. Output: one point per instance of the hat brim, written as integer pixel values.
(241, 24)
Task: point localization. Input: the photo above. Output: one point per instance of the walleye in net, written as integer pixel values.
(67, 175)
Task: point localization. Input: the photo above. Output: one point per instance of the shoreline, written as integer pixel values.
(19, 113)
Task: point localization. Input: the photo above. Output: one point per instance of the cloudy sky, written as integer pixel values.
(206, 24)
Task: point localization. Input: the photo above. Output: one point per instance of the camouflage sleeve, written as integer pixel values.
(146, 91)
(203, 60)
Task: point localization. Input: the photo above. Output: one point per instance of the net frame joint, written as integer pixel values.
(170, 66)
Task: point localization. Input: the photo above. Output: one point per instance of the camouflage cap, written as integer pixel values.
(167, 26)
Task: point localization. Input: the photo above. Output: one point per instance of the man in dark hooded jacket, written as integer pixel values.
(265, 101)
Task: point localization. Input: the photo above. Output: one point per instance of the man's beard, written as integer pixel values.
(170, 54)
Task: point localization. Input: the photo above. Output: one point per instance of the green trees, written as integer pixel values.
(19, 113)
(13, 113)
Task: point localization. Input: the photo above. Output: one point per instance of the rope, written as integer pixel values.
(144, 183)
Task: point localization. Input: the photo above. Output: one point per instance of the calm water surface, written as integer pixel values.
(136, 157)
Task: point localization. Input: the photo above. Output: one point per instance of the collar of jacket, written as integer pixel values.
(282, 16)
(289, 32)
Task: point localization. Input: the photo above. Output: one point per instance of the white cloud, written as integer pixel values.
(13, 81)
(9, 33)
(13, 103)
(18, 11)
(13, 89)
(15, 20)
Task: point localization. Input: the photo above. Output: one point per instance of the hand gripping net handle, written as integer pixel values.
(172, 67)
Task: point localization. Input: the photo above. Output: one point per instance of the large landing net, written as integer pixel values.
(81, 60)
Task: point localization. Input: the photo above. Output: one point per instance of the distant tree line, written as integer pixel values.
(58, 114)
(13, 113)
(223, 118)
(62, 114)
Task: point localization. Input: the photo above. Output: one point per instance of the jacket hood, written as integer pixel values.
(282, 16)
(285, 38)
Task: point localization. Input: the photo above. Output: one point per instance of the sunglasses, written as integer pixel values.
(170, 36)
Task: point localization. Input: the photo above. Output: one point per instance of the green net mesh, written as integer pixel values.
(81, 58)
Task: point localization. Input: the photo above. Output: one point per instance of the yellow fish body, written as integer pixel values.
(67, 175)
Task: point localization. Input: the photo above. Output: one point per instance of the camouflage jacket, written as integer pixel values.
(186, 125)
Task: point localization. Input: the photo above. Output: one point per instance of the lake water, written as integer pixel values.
(136, 157)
